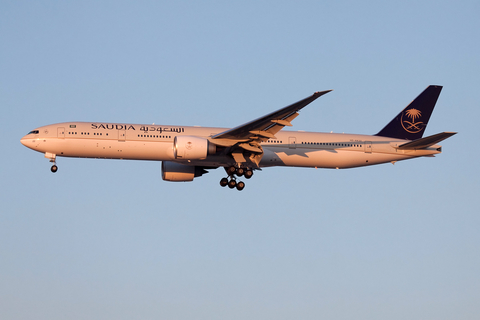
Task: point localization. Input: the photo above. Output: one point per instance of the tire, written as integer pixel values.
(224, 182)
(231, 170)
(240, 172)
(232, 184)
(240, 186)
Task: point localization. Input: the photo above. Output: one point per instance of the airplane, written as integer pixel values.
(188, 152)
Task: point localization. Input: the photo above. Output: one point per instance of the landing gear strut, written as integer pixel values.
(52, 158)
(231, 181)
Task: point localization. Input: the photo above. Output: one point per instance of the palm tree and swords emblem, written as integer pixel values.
(412, 126)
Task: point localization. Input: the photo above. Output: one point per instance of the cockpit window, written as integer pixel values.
(34, 132)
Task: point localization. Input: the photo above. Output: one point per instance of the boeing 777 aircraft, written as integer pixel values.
(188, 152)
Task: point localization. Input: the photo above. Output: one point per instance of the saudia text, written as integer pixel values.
(110, 126)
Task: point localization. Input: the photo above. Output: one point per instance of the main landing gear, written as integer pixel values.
(231, 181)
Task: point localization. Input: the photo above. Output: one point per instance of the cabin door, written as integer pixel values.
(368, 146)
(292, 142)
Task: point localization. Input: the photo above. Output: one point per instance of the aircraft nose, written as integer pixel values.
(24, 141)
(28, 141)
(31, 139)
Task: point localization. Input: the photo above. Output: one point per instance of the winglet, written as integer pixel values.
(321, 93)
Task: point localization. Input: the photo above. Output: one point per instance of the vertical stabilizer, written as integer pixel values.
(411, 122)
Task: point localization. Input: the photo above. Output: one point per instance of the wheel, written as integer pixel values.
(224, 182)
(240, 172)
(231, 170)
(248, 174)
(240, 186)
(232, 183)
(54, 168)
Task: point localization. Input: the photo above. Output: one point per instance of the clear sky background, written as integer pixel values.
(108, 239)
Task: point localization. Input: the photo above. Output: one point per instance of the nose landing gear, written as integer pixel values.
(52, 158)
(231, 181)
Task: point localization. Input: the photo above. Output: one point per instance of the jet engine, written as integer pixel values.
(172, 171)
(192, 148)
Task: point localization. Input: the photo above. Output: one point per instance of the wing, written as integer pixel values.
(263, 128)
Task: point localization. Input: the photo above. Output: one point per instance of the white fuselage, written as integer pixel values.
(155, 142)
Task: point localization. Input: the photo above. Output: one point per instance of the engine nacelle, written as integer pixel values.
(172, 171)
(192, 148)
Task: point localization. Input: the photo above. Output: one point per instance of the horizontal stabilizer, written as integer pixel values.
(426, 142)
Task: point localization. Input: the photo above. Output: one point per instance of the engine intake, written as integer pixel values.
(192, 148)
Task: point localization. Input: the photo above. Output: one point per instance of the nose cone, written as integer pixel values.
(32, 139)
(29, 141)
(24, 141)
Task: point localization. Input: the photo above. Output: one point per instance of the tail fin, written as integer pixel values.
(411, 122)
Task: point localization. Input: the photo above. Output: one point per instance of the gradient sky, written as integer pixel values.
(108, 239)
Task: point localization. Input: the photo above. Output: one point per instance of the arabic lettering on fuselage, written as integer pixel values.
(144, 128)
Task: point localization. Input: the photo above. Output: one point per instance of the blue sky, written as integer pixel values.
(105, 239)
